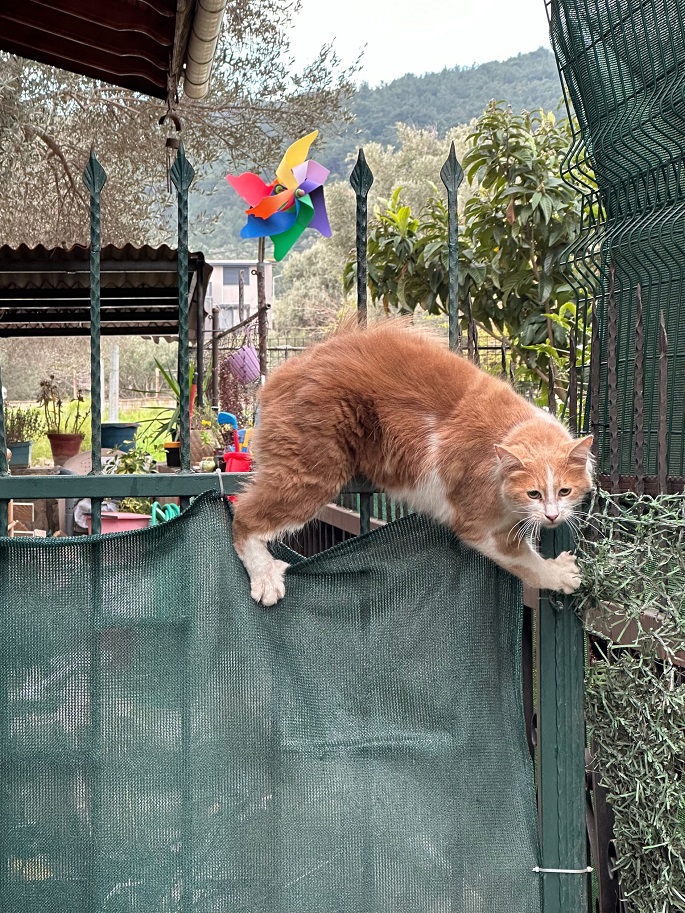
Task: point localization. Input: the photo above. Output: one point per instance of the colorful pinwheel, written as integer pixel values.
(294, 201)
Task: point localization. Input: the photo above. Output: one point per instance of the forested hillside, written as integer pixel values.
(443, 100)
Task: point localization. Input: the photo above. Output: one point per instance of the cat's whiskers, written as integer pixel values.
(578, 524)
(534, 531)
(528, 530)
(522, 522)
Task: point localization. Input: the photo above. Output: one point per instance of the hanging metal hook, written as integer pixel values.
(173, 142)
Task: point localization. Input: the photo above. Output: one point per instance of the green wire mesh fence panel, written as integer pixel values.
(623, 67)
(168, 745)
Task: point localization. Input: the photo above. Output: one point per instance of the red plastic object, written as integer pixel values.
(237, 461)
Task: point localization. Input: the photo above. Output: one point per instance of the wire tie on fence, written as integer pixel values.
(221, 481)
(585, 871)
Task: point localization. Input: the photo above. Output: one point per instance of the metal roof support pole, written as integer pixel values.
(199, 291)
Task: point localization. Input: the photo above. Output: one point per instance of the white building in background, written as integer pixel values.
(222, 289)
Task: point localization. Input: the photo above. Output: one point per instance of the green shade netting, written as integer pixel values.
(169, 745)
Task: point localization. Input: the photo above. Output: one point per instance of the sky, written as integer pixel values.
(419, 36)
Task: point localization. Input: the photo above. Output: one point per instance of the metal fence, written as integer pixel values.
(557, 725)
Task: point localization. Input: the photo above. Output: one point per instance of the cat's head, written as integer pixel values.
(546, 477)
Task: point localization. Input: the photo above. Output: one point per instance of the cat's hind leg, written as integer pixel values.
(275, 503)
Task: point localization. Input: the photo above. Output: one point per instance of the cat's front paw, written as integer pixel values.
(563, 574)
(268, 585)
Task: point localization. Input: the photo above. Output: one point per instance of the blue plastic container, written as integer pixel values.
(118, 435)
(21, 454)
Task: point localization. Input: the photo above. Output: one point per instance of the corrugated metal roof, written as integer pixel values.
(46, 291)
(136, 44)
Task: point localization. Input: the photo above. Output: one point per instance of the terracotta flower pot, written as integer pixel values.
(64, 446)
(120, 522)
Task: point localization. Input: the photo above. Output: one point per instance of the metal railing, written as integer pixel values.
(558, 726)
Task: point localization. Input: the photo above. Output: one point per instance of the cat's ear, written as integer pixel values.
(508, 458)
(579, 451)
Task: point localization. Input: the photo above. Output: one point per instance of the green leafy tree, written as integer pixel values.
(513, 234)
(310, 287)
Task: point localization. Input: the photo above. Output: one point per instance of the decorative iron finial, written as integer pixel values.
(361, 178)
(451, 173)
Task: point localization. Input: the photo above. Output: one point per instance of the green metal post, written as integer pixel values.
(361, 180)
(94, 178)
(182, 174)
(4, 468)
(452, 175)
(561, 746)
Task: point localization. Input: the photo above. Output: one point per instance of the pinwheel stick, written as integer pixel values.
(262, 306)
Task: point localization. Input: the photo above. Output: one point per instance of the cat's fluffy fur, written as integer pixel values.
(426, 426)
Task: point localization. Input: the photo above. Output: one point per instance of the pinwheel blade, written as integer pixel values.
(310, 175)
(320, 220)
(284, 241)
(265, 228)
(294, 155)
(250, 186)
(269, 205)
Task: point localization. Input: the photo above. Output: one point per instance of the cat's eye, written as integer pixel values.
(564, 492)
(535, 495)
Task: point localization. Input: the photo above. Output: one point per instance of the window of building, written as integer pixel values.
(231, 274)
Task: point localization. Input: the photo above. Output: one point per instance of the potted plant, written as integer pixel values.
(118, 435)
(22, 427)
(169, 424)
(63, 423)
(206, 437)
(131, 513)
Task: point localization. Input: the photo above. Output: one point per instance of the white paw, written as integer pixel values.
(268, 585)
(564, 575)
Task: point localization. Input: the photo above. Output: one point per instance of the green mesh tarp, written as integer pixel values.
(168, 745)
(623, 66)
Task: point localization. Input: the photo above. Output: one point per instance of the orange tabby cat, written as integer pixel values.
(427, 427)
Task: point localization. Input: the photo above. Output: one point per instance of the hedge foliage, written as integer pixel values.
(633, 559)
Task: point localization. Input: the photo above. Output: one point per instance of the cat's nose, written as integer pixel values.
(551, 516)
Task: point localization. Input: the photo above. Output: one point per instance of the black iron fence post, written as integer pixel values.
(452, 175)
(4, 467)
(361, 180)
(182, 174)
(200, 333)
(94, 178)
(662, 418)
